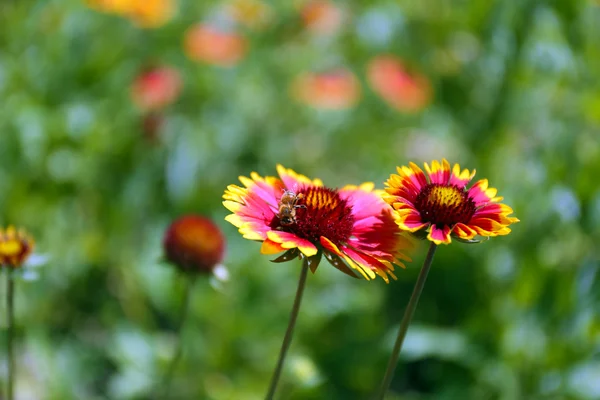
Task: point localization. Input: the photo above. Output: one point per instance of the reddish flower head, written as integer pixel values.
(334, 90)
(322, 17)
(353, 227)
(408, 92)
(156, 88)
(440, 204)
(194, 244)
(211, 45)
(15, 247)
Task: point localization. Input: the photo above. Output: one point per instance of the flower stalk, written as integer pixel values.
(10, 302)
(406, 319)
(185, 305)
(287, 339)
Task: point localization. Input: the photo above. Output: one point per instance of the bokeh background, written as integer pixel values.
(117, 116)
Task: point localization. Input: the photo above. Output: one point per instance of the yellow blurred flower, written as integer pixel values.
(144, 13)
(15, 247)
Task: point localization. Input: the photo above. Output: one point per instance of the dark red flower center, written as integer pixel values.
(444, 205)
(319, 212)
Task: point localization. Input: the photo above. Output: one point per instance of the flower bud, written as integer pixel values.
(194, 244)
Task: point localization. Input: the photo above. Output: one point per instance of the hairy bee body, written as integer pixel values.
(287, 207)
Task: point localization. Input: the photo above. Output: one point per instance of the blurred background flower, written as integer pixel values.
(322, 17)
(156, 88)
(15, 247)
(214, 45)
(194, 244)
(407, 92)
(144, 13)
(333, 90)
(254, 14)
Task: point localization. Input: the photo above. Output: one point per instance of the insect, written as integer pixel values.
(287, 207)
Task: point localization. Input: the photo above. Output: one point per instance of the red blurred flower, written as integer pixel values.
(333, 90)
(194, 244)
(156, 88)
(15, 247)
(403, 90)
(322, 17)
(209, 44)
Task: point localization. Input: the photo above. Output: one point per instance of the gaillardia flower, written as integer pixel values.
(440, 205)
(15, 247)
(352, 226)
(194, 244)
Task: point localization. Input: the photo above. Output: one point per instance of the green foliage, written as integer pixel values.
(516, 95)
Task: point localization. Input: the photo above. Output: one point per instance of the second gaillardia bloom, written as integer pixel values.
(439, 205)
(352, 226)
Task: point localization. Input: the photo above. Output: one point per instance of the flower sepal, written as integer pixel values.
(480, 239)
(420, 234)
(337, 262)
(313, 261)
(287, 256)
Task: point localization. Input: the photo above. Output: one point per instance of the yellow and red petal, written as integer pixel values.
(290, 241)
(415, 175)
(481, 194)
(410, 220)
(463, 231)
(271, 247)
(438, 173)
(293, 180)
(369, 264)
(439, 236)
(328, 245)
(460, 178)
(486, 226)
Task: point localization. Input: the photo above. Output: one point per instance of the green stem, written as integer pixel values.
(10, 300)
(287, 340)
(179, 350)
(408, 314)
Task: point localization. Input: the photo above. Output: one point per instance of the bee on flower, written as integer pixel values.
(352, 226)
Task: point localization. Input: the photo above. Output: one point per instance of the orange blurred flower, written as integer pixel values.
(151, 13)
(334, 90)
(156, 88)
(144, 13)
(322, 17)
(209, 44)
(194, 244)
(15, 247)
(403, 90)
